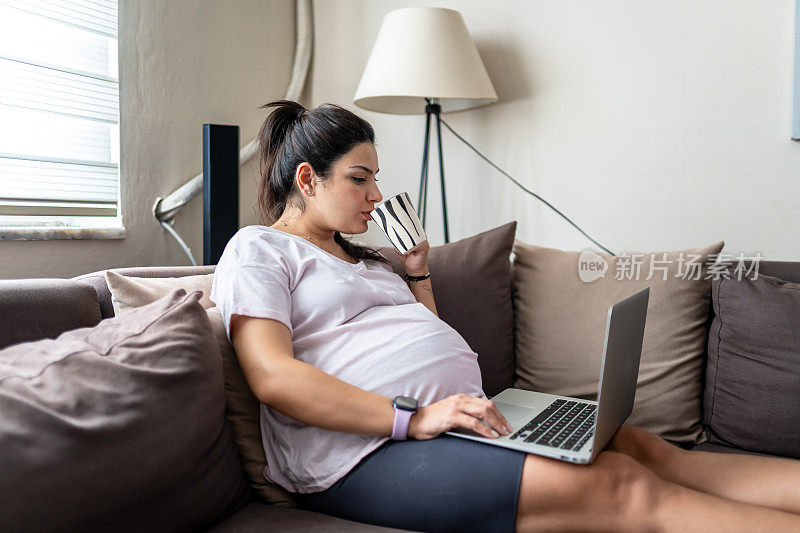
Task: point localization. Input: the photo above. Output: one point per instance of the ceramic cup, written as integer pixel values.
(399, 221)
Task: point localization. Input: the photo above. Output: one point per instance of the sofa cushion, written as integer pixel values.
(471, 281)
(242, 408)
(753, 371)
(118, 427)
(560, 325)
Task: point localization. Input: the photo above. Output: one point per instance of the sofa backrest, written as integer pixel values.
(787, 270)
(32, 309)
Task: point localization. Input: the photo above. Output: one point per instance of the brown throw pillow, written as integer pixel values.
(753, 373)
(559, 323)
(118, 427)
(471, 281)
(242, 408)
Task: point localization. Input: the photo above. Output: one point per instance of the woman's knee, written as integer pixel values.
(631, 486)
(615, 492)
(643, 446)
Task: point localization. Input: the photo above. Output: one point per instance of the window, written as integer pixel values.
(59, 113)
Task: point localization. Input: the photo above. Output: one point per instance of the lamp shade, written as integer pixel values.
(423, 52)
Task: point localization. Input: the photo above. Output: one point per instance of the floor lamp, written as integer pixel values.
(424, 61)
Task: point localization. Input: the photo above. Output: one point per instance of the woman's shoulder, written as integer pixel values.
(259, 234)
(259, 245)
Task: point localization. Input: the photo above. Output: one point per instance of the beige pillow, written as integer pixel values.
(559, 325)
(129, 292)
(242, 408)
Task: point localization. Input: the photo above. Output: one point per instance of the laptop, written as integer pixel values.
(571, 429)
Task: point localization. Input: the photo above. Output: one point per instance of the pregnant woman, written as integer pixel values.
(358, 378)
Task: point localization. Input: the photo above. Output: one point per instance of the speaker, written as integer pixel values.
(220, 189)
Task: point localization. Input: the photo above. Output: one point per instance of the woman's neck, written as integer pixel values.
(298, 226)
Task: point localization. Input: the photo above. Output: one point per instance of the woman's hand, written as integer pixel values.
(456, 412)
(416, 261)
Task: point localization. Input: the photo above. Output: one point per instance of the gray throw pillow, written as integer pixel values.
(752, 395)
(118, 427)
(471, 281)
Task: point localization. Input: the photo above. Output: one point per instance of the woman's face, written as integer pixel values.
(350, 190)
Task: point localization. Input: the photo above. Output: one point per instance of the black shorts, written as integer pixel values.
(441, 484)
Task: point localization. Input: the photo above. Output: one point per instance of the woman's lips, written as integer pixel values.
(366, 216)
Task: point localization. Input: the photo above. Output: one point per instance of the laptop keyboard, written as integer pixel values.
(564, 424)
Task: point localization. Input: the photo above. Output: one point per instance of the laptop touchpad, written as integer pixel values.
(515, 414)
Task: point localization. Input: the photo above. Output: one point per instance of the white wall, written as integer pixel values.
(183, 63)
(654, 125)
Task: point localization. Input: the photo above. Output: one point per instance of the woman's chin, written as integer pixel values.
(362, 228)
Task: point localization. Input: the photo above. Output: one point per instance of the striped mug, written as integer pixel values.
(399, 221)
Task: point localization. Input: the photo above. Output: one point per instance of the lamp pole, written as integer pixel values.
(432, 110)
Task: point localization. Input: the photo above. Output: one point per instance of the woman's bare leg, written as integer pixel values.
(616, 493)
(765, 481)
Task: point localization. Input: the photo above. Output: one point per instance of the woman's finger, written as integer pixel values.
(494, 409)
(472, 423)
(479, 409)
(500, 416)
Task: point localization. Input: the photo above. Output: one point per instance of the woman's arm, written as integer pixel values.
(423, 292)
(416, 264)
(302, 391)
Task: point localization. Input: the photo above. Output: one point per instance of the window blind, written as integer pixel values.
(59, 108)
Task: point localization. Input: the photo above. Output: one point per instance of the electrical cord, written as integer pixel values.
(169, 228)
(503, 172)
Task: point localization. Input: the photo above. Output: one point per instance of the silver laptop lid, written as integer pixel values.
(621, 356)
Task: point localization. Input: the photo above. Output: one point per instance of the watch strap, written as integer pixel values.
(402, 419)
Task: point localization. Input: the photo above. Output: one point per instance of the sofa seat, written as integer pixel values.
(256, 517)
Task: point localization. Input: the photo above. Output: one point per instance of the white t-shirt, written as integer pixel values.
(357, 322)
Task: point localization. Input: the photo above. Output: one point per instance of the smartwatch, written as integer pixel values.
(403, 407)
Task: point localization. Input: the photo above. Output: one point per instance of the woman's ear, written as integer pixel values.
(304, 177)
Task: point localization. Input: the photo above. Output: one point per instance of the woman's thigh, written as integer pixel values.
(442, 484)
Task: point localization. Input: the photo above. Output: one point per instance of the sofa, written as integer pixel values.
(106, 479)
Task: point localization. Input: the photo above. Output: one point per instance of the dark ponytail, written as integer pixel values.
(291, 135)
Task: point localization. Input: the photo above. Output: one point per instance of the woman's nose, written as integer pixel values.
(376, 195)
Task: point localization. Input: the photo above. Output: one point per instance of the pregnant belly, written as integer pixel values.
(390, 350)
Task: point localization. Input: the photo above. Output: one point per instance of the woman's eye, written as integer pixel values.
(361, 180)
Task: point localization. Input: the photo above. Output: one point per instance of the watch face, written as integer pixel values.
(404, 402)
